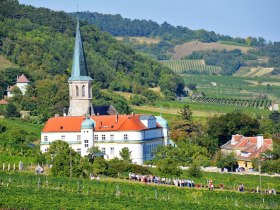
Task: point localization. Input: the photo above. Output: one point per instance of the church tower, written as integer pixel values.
(79, 82)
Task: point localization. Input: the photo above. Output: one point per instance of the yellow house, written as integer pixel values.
(247, 149)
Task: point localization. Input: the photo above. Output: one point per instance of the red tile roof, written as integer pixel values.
(22, 79)
(103, 123)
(3, 102)
(247, 145)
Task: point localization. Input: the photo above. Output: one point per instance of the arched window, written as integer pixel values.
(89, 91)
(77, 90)
(83, 91)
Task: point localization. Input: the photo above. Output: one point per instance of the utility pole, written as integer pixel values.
(70, 162)
(260, 175)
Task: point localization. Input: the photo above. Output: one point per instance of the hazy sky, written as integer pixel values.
(237, 18)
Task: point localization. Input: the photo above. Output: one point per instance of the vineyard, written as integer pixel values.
(255, 103)
(29, 191)
(191, 67)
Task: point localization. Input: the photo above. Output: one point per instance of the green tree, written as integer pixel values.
(65, 161)
(125, 154)
(195, 171)
(168, 167)
(186, 113)
(224, 126)
(227, 161)
(99, 166)
(11, 111)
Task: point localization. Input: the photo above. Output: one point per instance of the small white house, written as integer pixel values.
(22, 83)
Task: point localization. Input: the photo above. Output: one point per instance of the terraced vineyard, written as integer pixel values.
(256, 103)
(191, 66)
(30, 191)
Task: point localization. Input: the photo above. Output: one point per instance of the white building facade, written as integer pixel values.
(109, 135)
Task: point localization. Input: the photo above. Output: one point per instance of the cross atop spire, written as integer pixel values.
(79, 66)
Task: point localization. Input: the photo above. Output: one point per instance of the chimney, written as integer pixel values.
(259, 141)
(232, 141)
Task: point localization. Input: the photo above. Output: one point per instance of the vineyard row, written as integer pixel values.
(256, 103)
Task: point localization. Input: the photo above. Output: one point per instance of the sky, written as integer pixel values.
(237, 18)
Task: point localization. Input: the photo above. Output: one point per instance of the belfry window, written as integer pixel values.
(83, 91)
(77, 90)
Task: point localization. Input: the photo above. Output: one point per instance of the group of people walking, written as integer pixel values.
(162, 180)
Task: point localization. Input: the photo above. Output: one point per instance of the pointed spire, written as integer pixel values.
(79, 66)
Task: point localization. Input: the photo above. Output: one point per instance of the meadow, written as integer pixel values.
(30, 191)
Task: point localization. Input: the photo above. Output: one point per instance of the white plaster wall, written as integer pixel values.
(22, 87)
(86, 134)
(132, 135)
(136, 150)
(69, 136)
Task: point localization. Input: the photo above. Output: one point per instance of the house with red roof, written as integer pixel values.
(86, 126)
(247, 149)
(22, 83)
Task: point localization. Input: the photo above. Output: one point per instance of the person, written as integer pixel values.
(221, 186)
(241, 188)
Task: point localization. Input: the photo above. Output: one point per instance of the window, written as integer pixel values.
(86, 143)
(112, 150)
(77, 91)
(96, 137)
(45, 138)
(112, 137)
(83, 91)
(103, 149)
(62, 137)
(125, 137)
(78, 137)
(103, 137)
(79, 150)
(46, 149)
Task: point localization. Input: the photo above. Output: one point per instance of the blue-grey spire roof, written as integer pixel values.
(79, 66)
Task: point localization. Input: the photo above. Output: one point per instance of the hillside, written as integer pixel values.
(40, 42)
(188, 48)
(166, 42)
(4, 63)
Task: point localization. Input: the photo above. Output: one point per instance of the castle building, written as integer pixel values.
(22, 83)
(87, 126)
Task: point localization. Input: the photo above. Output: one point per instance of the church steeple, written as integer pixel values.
(79, 82)
(79, 66)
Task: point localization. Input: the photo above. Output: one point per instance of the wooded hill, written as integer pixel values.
(41, 41)
(169, 38)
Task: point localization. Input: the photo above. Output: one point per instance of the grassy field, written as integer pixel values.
(187, 48)
(4, 63)
(140, 39)
(28, 191)
(253, 72)
(21, 124)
